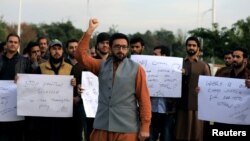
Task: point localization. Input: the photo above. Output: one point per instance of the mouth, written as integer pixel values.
(120, 54)
(57, 56)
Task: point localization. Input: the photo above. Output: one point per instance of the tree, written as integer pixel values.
(3, 30)
(113, 29)
(28, 34)
(213, 43)
(178, 47)
(242, 31)
(61, 31)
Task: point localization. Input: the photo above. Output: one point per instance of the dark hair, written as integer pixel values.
(2, 44)
(228, 52)
(136, 39)
(29, 46)
(192, 38)
(117, 36)
(244, 50)
(164, 49)
(25, 50)
(13, 34)
(103, 36)
(157, 47)
(70, 41)
(40, 38)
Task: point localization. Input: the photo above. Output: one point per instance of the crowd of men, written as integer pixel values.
(126, 112)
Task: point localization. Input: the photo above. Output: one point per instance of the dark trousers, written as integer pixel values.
(89, 128)
(78, 122)
(162, 127)
(12, 131)
(63, 129)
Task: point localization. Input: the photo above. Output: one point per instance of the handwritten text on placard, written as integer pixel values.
(44, 95)
(164, 75)
(90, 93)
(224, 100)
(8, 101)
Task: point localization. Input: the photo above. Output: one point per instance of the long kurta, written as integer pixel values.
(188, 127)
(141, 92)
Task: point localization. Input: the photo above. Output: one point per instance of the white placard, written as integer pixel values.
(90, 94)
(44, 95)
(224, 100)
(164, 75)
(8, 101)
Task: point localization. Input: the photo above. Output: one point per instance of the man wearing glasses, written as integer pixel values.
(122, 91)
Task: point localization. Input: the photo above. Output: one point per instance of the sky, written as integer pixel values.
(128, 16)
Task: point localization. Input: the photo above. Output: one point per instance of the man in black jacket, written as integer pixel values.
(11, 63)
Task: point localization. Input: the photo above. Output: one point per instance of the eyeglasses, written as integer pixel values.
(124, 47)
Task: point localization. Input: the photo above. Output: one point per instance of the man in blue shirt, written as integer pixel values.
(163, 110)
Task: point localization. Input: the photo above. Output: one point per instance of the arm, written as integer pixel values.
(143, 97)
(218, 72)
(81, 53)
(207, 70)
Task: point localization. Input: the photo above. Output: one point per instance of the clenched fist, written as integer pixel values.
(93, 23)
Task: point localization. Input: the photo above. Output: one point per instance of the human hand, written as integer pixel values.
(247, 82)
(183, 71)
(73, 82)
(197, 90)
(143, 136)
(16, 78)
(34, 57)
(93, 23)
(79, 89)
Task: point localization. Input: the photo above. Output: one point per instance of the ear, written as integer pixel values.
(245, 60)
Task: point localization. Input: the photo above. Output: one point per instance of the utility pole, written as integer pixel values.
(213, 28)
(198, 15)
(213, 14)
(19, 21)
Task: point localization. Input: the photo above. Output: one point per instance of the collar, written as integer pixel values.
(187, 58)
(241, 74)
(48, 65)
(14, 56)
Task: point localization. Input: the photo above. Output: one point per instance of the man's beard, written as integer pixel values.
(56, 60)
(136, 53)
(102, 52)
(119, 58)
(228, 64)
(191, 52)
(238, 65)
(71, 56)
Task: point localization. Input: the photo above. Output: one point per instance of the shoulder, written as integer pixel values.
(133, 64)
(44, 64)
(224, 71)
(131, 61)
(67, 60)
(201, 62)
(21, 58)
(67, 65)
(247, 70)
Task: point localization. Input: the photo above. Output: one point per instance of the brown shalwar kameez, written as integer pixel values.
(188, 127)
